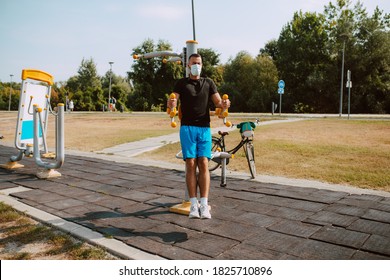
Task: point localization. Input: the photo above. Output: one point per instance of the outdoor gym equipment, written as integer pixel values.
(172, 111)
(32, 122)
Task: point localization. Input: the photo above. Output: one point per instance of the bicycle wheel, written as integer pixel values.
(215, 146)
(250, 156)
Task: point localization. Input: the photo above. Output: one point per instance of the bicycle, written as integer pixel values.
(218, 145)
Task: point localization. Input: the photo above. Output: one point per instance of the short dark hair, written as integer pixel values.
(194, 55)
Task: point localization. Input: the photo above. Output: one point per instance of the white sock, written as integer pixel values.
(194, 201)
(204, 201)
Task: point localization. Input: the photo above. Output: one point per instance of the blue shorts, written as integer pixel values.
(195, 141)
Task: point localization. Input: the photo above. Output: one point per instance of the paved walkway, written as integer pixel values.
(98, 198)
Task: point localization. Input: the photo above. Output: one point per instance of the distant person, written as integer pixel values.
(113, 104)
(71, 105)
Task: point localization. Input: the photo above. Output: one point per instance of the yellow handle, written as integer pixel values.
(225, 112)
(172, 111)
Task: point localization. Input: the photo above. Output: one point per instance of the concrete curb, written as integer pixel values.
(113, 246)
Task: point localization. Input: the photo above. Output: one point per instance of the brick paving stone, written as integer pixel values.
(276, 241)
(341, 236)
(34, 183)
(236, 231)
(371, 227)
(93, 197)
(177, 253)
(346, 209)
(383, 206)
(70, 191)
(93, 212)
(155, 189)
(289, 213)
(138, 209)
(376, 215)
(131, 224)
(176, 193)
(318, 250)
(295, 228)
(330, 218)
(249, 196)
(261, 208)
(143, 243)
(116, 203)
(138, 195)
(368, 197)
(65, 203)
(360, 255)
(6, 185)
(225, 201)
(225, 213)
(354, 201)
(248, 252)
(378, 244)
(208, 244)
(197, 224)
(292, 203)
(39, 196)
(259, 220)
(164, 201)
(168, 233)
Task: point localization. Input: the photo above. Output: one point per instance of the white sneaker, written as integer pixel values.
(194, 212)
(204, 212)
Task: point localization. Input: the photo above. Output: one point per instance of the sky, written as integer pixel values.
(56, 35)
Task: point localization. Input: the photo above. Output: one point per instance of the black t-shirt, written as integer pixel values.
(194, 100)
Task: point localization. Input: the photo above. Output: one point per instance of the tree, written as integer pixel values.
(367, 53)
(302, 60)
(120, 88)
(250, 82)
(86, 87)
(154, 80)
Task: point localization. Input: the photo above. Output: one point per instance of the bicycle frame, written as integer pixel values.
(243, 141)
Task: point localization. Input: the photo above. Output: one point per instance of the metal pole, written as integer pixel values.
(342, 82)
(349, 91)
(10, 96)
(280, 104)
(109, 89)
(193, 21)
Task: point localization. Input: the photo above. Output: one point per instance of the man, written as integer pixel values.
(194, 94)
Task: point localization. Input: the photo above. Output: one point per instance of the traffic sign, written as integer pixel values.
(281, 84)
(281, 90)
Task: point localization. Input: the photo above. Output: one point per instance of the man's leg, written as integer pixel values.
(192, 183)
(204, 187)
(204, 177)
(191, 180)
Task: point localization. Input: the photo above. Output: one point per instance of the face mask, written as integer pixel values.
(196, 69)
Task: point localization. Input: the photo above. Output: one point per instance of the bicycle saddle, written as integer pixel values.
(223, 133)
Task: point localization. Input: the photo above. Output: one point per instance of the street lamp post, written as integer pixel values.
(342, 81)
(109, 88)
(10, 91)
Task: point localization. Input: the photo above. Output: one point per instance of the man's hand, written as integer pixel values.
(172, 102)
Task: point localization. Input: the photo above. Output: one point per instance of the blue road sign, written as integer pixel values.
(281, 84)
(281, 90)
